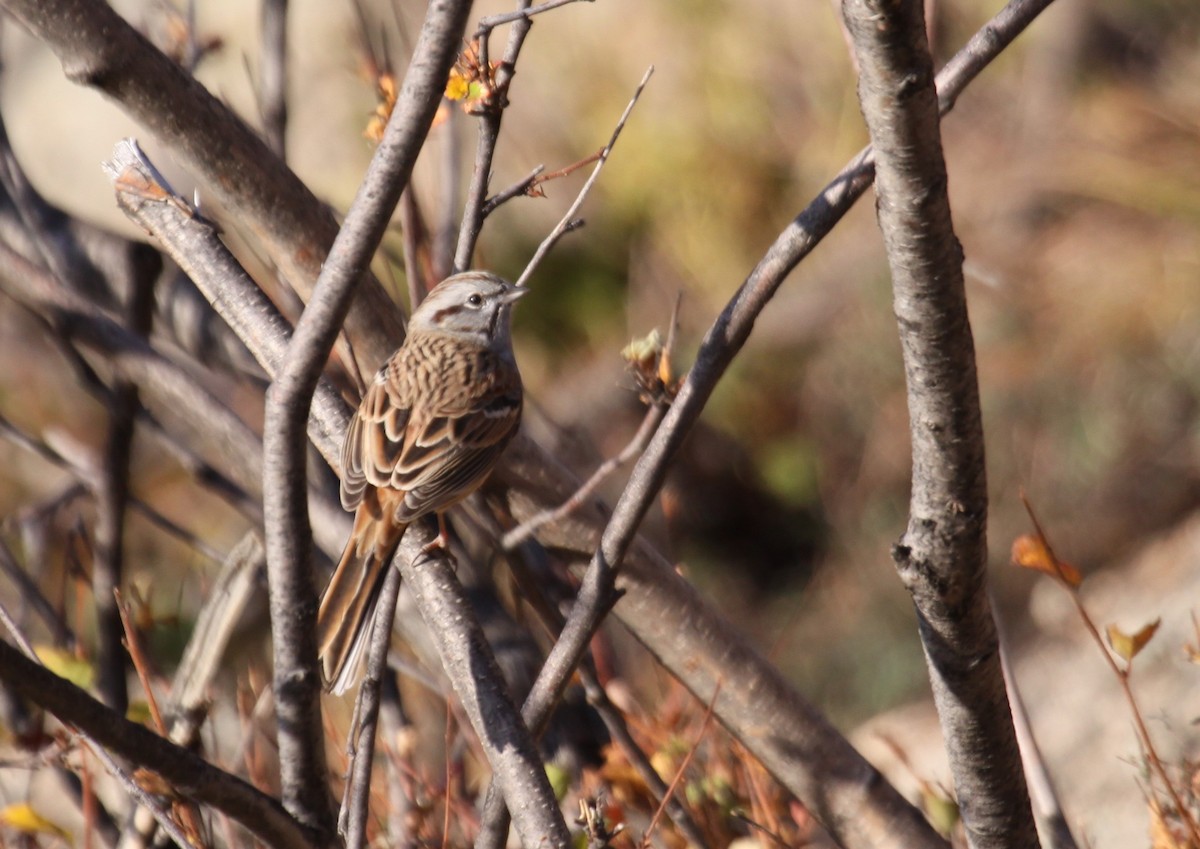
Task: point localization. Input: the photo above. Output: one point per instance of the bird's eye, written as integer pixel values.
(475, 300)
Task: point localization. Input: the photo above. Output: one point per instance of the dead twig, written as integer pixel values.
(568, 221)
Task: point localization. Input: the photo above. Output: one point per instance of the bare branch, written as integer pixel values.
(568, 221)
(521, 187)
(272, 75)
(358, 787)
(489, 134)
(468, 660)
(292, 577)
(942, 557)
(98, 48)
(186, 772)
(526, 529)
(194, 243)
(486, 25)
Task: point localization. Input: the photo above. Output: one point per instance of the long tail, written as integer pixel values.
(348, 604)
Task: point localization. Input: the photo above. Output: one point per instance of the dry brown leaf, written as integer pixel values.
(1031, 551)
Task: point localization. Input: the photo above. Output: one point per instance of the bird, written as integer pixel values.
(429, 430)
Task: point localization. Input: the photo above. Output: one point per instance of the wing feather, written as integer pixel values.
(432, 425)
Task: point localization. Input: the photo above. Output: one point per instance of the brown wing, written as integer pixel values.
(432, 425)
(345, 615)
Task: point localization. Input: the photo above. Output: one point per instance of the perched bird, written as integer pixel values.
(429, 430)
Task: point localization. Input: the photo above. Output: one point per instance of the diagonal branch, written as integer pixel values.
(100, 49)
(185, 771)
(470, 664)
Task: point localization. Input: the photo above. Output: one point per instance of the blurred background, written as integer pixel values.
(1074, 166)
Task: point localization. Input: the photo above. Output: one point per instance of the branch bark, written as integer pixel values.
(489, 135)
(187, 772)
(99, 49)
(471, 666)
(942, 557)
(290, 566)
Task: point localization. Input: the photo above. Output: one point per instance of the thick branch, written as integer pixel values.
(942, 557)
(99, 49)
(471, 666)
(288, 535)
(197, 248)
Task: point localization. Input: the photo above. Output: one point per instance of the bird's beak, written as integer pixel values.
(514, 294)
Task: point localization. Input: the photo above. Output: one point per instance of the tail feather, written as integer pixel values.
(348, 604)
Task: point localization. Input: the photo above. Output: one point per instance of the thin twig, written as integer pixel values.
(187, 813)
(618, 729)
(662, 805)
(654, 416)
(134, 645)
(529, 185)
(358, 792)
(568, 222)
(486, 25)
(1123, 680)
(518, 189)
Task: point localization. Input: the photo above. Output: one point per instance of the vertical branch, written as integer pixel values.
(292, 577)
(358, 790)
(446, 218)
(112, 496)
(272, 75)
(943, 555)
(489, 134)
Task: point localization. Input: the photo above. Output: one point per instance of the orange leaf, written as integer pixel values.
(1127, 646)
(1031, 551)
